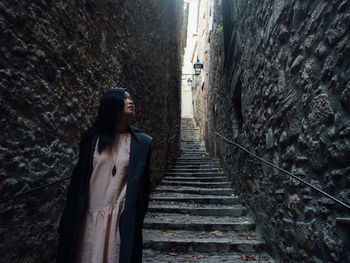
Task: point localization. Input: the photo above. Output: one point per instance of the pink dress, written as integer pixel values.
(99, 239)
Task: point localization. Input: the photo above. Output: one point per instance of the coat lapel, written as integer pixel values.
(138, 154)
(139, 148)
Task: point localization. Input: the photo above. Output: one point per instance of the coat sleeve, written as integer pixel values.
(146, 182)
(75, 177)
(71, 189)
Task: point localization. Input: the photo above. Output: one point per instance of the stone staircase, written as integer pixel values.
(189, 130)
(193, 215)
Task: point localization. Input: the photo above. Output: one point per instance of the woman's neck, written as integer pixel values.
(122, 127)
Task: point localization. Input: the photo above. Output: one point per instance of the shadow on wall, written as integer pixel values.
(237, 120)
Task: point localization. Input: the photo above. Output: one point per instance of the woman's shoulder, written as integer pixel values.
(88, 135)
(141, 135)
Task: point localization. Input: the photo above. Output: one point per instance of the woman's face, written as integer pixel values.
(129, 107)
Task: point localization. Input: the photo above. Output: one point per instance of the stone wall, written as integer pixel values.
(200, 83)
(57, 58)
(280, 86)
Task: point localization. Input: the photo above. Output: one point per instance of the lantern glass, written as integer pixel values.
(197, 67)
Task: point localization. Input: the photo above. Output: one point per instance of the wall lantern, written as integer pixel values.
(189, 81)
(197, 67)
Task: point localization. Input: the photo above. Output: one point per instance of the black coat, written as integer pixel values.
(136, 201)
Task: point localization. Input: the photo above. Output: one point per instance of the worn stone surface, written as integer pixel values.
(56, 60)
(290, 62)
(180, 223)
(213, 257)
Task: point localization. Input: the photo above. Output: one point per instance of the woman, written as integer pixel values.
(109, 191)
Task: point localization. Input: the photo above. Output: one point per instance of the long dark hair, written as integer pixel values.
(111, 103)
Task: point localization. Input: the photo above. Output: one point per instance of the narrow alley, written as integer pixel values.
(232, 118)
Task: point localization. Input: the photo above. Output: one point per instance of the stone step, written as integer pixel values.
(197, 178)
(197, 145)
(193, 150)
(194, 174)
(195, 158)
(194, 154)
(201, 184)
(157, 256)
(199, 162)
(194, 190)
(195, 199)
(203, 241)
(197, 223)
(208, 178)
(194, 166)
(193, 170)
(196, 209)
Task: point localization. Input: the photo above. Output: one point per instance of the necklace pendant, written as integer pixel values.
(114, 170)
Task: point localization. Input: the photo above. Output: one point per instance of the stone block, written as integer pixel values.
(321, 50)
(332, 36)
(296, 64)
(269, 139)
(345, 97)
(289, 155)
(329, 67)
(294, 204)
(340, 150)
(321, 110)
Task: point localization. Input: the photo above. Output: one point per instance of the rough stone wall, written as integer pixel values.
(200, 87)
(57, 58)
(200, 93)
(280, 86)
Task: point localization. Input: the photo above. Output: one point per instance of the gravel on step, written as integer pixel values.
(197, 209)
(195, 222)
(154, 256)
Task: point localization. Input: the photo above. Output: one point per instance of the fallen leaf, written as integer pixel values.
(246, 235)
(168, 233)
(191, 256)
(216, 233)
(200, 256)
(249, 258)
(171, 254)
